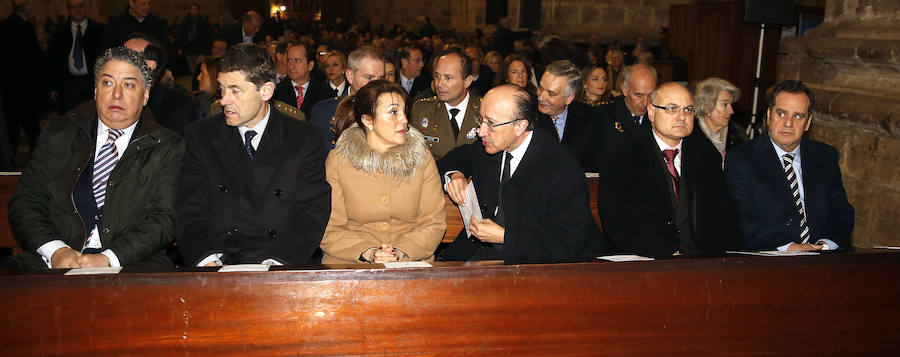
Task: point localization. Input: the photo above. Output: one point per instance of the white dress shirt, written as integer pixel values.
(47, 249)
(663, 146)
(406, 82)
(72, 70)
(462, 111)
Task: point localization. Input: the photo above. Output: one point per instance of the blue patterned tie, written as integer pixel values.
(78, 50)
(248, 143)
(103, 165)
(788, 160)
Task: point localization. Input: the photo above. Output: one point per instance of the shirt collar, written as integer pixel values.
(126, 133)
(519, 152)
(663, 146)
(781, 152)
(83, 23)
(260, 127)
(461, 106)
(304, 85)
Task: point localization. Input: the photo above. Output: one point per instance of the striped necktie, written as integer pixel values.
(103, 165)
(299, 96)
(793, 185)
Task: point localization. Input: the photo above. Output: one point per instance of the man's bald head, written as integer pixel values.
(671, 113)
(638, 81)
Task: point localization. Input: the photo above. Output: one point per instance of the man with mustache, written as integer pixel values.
(532, 192)
(788, 188)
(252, 186)
(100, 187)
(663, 192)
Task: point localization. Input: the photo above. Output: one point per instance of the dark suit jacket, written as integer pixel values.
(484, 82)
(767, 215)
(316, 91)
(321, 115)
(421, 83)
(275, 206)
(121, 26)
(61, 44)
(203, 40)
(622, 119)
(172, 109)
(636, 200)
(586, 133)
(234, 34)
(545, 202)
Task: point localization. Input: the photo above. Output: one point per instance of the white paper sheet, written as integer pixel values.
(400, 265)
(885, 247)
(244, 267)
(471, 208)
(775, 253)
(625, 258)
(92, 271)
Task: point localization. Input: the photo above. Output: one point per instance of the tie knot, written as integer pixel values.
(114, 134)
(453, 112)
(248, 136)
(788, 158)
(670, 154)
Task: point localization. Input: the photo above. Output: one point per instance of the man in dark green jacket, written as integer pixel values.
(100, 187)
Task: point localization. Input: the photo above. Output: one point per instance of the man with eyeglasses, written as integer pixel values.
(666, 194)
(364, 64)
(629, 112)
(448, 119)
(411, 64)
(578, 126)
(531, 190)
(788, 188)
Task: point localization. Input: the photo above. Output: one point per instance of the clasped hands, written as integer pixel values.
(69, 258)
(485, 230)
(386, 253)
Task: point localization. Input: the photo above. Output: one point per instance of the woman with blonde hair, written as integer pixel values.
(493, 59)
(714, 99)
(334, 64)
(387, 203)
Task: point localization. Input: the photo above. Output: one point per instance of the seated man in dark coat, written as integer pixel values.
(788, 188)
(663, 192)
(100, 187)
(532, 192)
(252, 186)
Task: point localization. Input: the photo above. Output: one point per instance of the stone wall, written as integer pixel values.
(852, 62)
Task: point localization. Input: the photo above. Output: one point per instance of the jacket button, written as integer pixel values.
(670, 223)
(272, 233)
(105, 230)
(385, 200)
(278, 192)
(77, 169)
(234, 229)
(385, 226)
(222, 188)
(111, 183)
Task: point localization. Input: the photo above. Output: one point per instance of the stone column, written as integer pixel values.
(852, 63)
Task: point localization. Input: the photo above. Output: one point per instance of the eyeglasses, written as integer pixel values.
(674, 109)
(480, 121)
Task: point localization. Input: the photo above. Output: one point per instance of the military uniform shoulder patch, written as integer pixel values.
(428, 99)
(289, 110)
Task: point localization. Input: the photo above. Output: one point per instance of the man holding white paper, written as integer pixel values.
(530, 188)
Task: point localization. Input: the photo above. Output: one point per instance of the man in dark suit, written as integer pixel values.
(665, 193)
(581, 128)
(364, 64)
(410, 75)
(532, 192)
(195, 38)
(21, 75)
(788, 188)
(482, 76)
(247, 31)
(100, 187)
(253, 186)
(172, 109)
(73, 49)
(504, 39)
(629, 112)
(136, 19)
(299, 89)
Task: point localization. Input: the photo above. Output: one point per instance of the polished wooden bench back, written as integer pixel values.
(8, 182)
(834, 305)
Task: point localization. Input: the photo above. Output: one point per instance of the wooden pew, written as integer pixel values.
(835, 304)
(8, 182)
(455, 223)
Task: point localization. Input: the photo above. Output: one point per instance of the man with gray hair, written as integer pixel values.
(100, 187)
(581, 128)
(365, 64)
(629, 112)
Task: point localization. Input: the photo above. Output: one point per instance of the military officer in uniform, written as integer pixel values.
(448, 119)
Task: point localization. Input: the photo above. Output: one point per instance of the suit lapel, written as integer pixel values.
(660, 170)
(230, 151)
(772, 168)
(442, 127)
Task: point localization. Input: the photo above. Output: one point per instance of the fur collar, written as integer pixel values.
(398, 163)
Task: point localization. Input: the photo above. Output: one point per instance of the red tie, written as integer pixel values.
(670, 164)
(299, 96)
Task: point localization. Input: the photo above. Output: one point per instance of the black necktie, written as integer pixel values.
(453, 113)
(504, 177)
(78, 50)
(248, 143)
